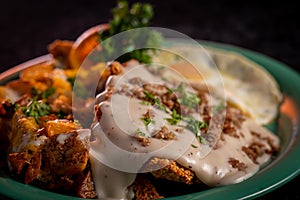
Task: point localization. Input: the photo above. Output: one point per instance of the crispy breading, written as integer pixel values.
(53, 162)
(171, 170)
(86, 188)
(143, 189)
(55, 127)
(67, 158)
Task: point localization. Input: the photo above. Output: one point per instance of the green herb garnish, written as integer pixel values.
(71, 80)
(149, 96)
(159, 105)
(218, 108)
(147, 119)
(175, 118)
(155, 101)
(170, 91)
(48, 92)
(194, 125)
(188, 99)
(145, 103)
(140, 133)
(181, 88)
(36, 109)
(42, 95)
(127, 18)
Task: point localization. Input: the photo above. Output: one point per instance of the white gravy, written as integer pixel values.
(117, 156)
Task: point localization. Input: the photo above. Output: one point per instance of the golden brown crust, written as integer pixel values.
(59, 160)
(86, 188)
(66, 158)
(28, 163)
(172, 171)
(56, 127)
(143, 189)
(55, 163)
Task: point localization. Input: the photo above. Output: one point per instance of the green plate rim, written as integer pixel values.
(284, 168)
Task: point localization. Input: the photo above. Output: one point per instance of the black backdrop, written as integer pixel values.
(27, 27)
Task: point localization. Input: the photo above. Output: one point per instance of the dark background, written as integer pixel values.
(27, 27)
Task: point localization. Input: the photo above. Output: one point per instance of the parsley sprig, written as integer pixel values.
(175, 118)
(188, 99)
(149, 95)
(192, 124)
(155, 101)
(140, 133)
(195, 126)
(147, 119)
(127, 18)
(42, 95)
(36, 108)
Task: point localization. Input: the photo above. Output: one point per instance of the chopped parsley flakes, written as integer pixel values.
(188, 99)
(185, 98)
(175, 118)
(140, 133)
(126, 17)
(36, 109)
(43, 95)
(194, 125)
(154, 101)
(147, 119)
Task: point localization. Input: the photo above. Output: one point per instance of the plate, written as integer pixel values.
(282, 169)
